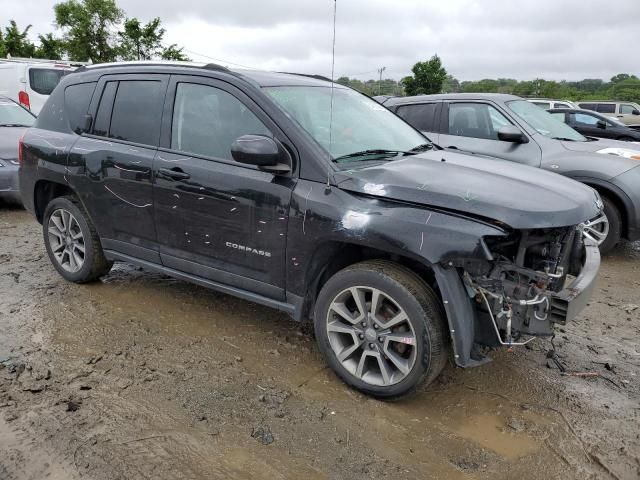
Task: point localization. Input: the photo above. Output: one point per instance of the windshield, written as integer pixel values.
(359, 123)
(544, 122)
(12, 114)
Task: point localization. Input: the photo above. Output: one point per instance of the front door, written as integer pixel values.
(587, 124)
(473, 127)
(117, 156)
(216, 218)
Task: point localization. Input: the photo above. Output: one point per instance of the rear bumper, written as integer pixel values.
(9, 189)
(566, 304)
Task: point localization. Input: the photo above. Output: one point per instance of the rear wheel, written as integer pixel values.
(72, 242)
(381, 329)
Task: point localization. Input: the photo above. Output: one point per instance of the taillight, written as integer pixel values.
(21, 150)
(23, 98)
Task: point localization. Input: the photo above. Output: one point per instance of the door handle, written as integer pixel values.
(175, 173)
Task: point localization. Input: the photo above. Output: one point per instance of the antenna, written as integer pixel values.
(333, 63)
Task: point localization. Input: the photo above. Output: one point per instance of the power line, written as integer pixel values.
(219, 60)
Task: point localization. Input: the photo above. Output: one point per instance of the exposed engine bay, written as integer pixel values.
(520, 290)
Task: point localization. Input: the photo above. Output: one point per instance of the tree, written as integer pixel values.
(50, 47)
(88, 27)
(172, 52)
(141, 42)
(16, 42)
(451, 85)
(621, 77)
(428, 77)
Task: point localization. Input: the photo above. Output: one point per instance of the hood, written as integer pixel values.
(9, 137)
(597, 144)
(516, 195)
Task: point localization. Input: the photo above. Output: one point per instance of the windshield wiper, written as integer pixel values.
(14, 125)
(420, 148)
(373, 151)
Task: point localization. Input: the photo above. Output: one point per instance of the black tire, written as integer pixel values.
(95, 265)
(417, 299)
(615, 226)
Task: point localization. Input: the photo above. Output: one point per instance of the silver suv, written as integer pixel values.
(511, 128)
(627, 112)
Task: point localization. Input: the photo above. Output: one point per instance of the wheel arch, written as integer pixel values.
(619, 199)
(332, 256)
(45, 191)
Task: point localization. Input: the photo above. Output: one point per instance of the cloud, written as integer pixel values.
(476, 39)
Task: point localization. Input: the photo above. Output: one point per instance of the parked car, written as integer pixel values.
(14, 120)
(593, 124)
(627, 112)
(547, 103)
(29, 81)
(510, 128)
(309, 197)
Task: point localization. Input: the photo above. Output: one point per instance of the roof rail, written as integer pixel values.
(215, 66)
(317, 77)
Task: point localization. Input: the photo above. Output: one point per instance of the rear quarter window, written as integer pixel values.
(76, 104)
(420, 116)
(44, 80)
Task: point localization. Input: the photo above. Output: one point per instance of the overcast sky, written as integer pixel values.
(523, 39)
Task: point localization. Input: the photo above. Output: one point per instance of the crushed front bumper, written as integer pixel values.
(566, 304)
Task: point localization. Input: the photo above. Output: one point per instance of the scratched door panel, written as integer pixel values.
(114, 181)
(225, 217)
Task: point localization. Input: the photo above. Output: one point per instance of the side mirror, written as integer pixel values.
(601, 124)
(511, 133)
(635, 112)
(261, 151)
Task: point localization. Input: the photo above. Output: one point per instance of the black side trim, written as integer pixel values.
(236, 292)
(223, 277)
(131, 250)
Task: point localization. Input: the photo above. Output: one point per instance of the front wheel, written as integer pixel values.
(381, 328)
(72, 242)
(606, 229)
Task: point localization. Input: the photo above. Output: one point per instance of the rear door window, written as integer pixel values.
(545, 105)
(588, 106)
(44, 80)
(420, 116)
(76, 104)
(606, 108)
(136, 111)
(560, 105)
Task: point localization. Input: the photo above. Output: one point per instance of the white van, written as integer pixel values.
(29, 81)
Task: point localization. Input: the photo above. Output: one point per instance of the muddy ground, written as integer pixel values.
(141, 376)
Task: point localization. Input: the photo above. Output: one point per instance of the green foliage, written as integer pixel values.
(428, 77)
(16, 42)
(627, 90)
(88, 27)
(50, 47)
(141, 42)
(373, 87)
(172, 52)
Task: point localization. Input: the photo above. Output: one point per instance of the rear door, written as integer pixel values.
(473, 127)
(217, 218)
(117, 155)
(423, 117)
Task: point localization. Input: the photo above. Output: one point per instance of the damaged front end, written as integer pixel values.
(528, 281)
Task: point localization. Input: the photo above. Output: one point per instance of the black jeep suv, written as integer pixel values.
(309, 197)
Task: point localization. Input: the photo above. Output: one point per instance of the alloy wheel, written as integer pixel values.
(66, 240)
(371, 336)
(596, 229)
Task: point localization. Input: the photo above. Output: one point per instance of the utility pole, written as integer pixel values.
(380, 70)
